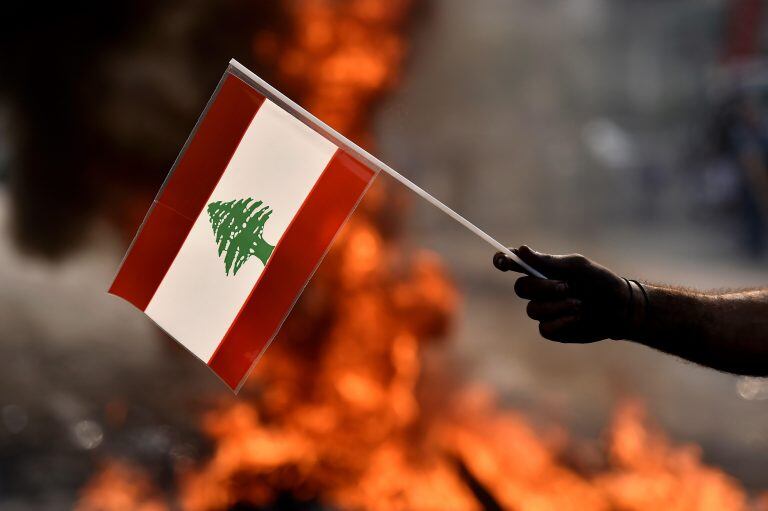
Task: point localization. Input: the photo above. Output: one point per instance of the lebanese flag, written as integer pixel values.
(242, 221)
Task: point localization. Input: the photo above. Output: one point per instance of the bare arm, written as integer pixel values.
(585, 302)
(725, 331)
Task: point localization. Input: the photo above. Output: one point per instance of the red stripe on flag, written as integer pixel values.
(293, 262)
(189, 185)
(163, 232)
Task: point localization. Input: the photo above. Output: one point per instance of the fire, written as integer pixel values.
(340, 412)
(648, 470)
(120, 486)
(339, 57)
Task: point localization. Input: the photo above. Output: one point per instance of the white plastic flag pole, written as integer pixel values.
(366, 158)
(451, 213)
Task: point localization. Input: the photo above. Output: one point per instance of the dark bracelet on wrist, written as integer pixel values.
(647, 302)
(629, 308)
(640, 316)
(631, 300)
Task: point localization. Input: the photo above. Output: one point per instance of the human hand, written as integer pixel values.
(579, 302)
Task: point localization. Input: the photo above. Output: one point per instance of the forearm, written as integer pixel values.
(725, 331)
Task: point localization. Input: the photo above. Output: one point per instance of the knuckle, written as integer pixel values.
(579, 260)
(532, 309)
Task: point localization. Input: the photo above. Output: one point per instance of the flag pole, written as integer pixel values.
(453, 214)
(367, 158)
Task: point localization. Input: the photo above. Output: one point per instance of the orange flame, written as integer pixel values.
(120, 487)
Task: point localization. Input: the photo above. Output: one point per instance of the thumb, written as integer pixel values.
(559, 267)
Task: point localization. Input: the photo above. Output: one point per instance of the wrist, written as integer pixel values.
(636, 305)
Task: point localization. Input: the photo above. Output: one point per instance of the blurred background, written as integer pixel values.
(408, 376)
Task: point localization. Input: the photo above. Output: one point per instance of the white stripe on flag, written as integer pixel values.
(278, 161)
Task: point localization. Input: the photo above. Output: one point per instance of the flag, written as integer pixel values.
(242, 221)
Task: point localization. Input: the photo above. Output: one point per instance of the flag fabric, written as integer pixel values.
(242, 221)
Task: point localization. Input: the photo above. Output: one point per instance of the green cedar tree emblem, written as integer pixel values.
(238, 226)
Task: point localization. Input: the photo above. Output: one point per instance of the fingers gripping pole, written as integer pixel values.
(366, 158)
(527, 267)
